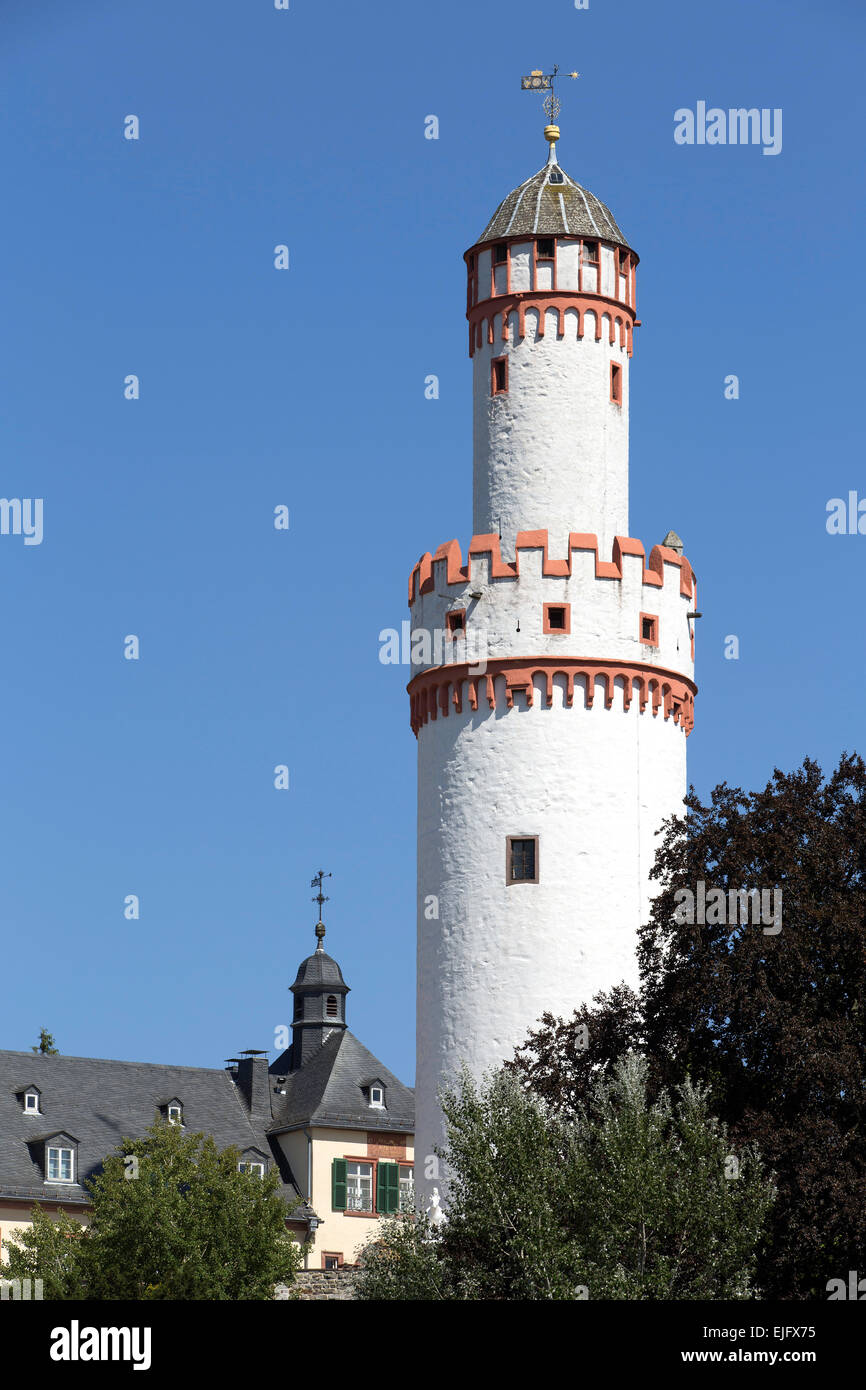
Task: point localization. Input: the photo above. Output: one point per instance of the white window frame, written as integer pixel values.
(407, 1187)
(357, 1184)
(380, 1091)
(175, 1114)
(251, 1167)
(59, 1149)
(34, 1108)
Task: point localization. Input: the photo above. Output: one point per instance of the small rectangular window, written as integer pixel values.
(330, 1262)
(589, 254)
(649, 629)
(499, 376)
(31, 1101)
(522, 859)
(407, 1188)
(59, 1165)
(545, 249)
(257, 1168)
(455, 622)
(557, 617)
(500, 254)
(616, 383)
(623, 263)
(175, 1115)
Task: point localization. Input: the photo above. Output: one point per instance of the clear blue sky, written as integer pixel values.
(306, 388)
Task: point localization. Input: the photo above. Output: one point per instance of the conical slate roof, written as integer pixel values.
(552, 204)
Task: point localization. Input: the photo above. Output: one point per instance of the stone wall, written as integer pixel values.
(320, 1284)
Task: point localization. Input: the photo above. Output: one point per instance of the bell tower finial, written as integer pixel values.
(320, 898)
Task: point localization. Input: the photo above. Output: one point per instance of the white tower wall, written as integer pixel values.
(552, 688)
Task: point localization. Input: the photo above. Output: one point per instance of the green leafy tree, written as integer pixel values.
(625, 1200)
(774, 1022)
(49, 1250)
(172, 1219)
(45, 1044)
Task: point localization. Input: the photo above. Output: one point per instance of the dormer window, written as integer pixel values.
(556, 175)
(31, 1101)
(59, 1160)
(60, 1164)
(172, 1111)
(256, 1168)
(377, 1095)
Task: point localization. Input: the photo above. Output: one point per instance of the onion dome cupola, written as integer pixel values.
(319, 993)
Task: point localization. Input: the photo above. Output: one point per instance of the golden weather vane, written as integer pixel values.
(539, 81)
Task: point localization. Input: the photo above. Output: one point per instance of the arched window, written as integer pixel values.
(331, 1006)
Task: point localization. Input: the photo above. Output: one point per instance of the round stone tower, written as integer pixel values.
(552, 688)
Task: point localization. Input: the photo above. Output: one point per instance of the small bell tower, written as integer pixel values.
(319, 993)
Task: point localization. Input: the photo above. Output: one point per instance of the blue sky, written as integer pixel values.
(306, 388)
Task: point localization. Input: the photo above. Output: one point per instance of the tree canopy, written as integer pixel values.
(771, 1019)
(173, 1218)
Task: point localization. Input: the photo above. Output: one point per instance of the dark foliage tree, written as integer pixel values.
(772, 1021)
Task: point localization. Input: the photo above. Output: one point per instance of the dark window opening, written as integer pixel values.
(331, 1006)
(332, 1262)
(456, 621)
(522, 860)
(590, 253)
(556, 176)
(616, 383)
(546, 248)
(500, 255)
(499, 376)
(649, 629)
(556, 619)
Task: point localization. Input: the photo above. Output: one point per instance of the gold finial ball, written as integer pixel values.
(320, 930)
(551, 133)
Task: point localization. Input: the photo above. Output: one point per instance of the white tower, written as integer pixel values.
(553, 688)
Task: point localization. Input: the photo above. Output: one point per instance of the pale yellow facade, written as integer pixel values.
(341, 1234)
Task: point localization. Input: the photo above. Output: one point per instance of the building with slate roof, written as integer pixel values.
(333, 1121)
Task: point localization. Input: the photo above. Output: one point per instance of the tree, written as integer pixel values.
(771, 1019)
(45, 1044)
(173, 1218)
(624, 1201)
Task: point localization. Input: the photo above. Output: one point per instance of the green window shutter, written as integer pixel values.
(387, 1188)
(338, 1184)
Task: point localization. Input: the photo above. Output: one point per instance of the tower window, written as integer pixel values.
(589, 253)
(556, 176)
(649, 629)
(331, 1009)
(557, 617)
(616, 383)
(499, 376)
(521, 859)
(545, 248)
(455, 622)
(500, 254)
(623, 263)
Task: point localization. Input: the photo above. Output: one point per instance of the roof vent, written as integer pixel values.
(556, 175)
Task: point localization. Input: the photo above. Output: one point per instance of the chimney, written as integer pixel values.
(251, 1079)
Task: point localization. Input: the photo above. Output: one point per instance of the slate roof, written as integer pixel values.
(99, 1102)
(319, 969)
(327, 1090)
(539, 207)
